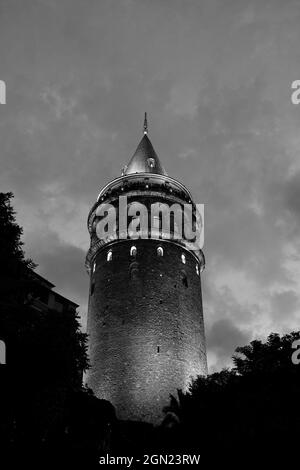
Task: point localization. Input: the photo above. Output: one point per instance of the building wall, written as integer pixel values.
(146, 327)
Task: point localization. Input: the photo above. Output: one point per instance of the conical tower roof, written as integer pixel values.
(144, 159)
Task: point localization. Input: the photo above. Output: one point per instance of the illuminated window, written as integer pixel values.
(183, 258)
(2, 352)
(94, 267)
(197, 269)
(109, 255)
(151, 162)
(160, 251)
(133, 251)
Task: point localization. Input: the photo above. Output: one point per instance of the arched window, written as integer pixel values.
(151, 162)
(160, 251)
(133, 251)
(2, 352)
(184, 279)
(134, 270)
(109, 255)
(183, 258)
(197, 269)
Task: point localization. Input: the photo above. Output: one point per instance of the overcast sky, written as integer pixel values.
(215, 78)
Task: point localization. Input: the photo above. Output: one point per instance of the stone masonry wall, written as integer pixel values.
(146, 327)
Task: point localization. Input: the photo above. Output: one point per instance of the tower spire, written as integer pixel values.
(146, 124)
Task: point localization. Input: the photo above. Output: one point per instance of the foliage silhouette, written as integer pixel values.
(46, 350)
(247, 412)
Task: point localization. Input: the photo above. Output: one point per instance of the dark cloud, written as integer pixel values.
(223, 338)
(291, 195)
(284, 305)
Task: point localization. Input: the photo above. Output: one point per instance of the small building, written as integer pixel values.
(48, 298)
(42, 298)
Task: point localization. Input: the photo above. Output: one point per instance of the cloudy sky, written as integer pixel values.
(215, 77)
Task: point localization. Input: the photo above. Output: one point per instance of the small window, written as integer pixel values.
(183, 258)
(158, 349)
(92, 288)
(109, 255)
(2, 352)
(94, 267)
(184, 279)
(151, 162)
(134, 270)
(197, 269)
(160, 251)
(133, 251)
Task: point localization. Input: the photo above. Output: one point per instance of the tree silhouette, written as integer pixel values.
(46, 351)
(247, 413)
(14, 267)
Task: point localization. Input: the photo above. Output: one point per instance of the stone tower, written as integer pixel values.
(145, 316)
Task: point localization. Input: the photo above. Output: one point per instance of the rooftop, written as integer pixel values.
(144, 159)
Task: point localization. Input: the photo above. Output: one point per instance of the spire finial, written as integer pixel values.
(145, 124)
